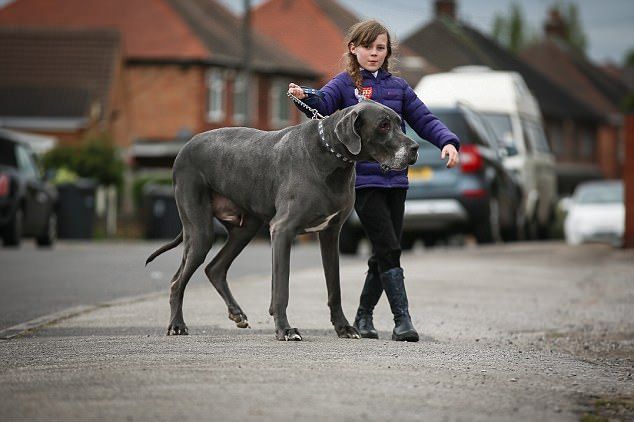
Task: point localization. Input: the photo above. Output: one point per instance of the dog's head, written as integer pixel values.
(372, 132)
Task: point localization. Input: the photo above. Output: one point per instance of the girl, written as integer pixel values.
(380, 197)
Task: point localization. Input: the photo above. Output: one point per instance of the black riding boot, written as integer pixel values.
(394, 286)
(370, 295)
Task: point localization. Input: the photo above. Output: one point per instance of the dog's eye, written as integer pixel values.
(384, 126)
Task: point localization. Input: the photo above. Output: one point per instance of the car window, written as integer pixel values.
(600, 194)
(536, 139)
(501, 125)
(485, 136)
(26, 164)
(455, 121)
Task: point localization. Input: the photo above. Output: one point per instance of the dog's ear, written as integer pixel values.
(347, 133)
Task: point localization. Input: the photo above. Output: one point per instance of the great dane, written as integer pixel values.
(298, 180)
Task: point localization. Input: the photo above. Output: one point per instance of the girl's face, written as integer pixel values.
(371, 58)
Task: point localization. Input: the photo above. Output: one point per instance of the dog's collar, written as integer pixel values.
(327, 145)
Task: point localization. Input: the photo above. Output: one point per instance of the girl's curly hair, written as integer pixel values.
(364, 34)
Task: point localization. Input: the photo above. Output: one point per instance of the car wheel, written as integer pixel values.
(348, 241)
(532, 228)
(517, 229)
(12, 235)
(49, 235)
(543, 230)
(489, 231)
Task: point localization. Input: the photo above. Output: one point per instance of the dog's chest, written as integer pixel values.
(316, 226)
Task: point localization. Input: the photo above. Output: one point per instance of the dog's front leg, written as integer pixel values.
(281, 239)
(329, 244)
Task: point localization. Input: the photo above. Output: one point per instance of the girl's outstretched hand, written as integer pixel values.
(296, 91)
(451, 152)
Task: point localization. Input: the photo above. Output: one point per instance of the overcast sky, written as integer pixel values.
(608, 24)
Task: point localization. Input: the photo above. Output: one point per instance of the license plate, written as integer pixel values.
(421, 173)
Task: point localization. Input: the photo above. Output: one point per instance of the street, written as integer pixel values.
(528, 331)
(38, 282)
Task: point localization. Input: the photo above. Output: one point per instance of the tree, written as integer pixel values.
(575, 35)
(510, 31)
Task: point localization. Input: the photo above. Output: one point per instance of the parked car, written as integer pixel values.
(27, 201)
(480, 196)
(505, 102)
(596, 213)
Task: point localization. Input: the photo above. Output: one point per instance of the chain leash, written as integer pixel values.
(316, 114)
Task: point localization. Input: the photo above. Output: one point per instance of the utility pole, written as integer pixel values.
(246, 61)
(628, 180)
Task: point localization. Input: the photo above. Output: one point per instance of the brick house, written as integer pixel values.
(570, 123)
(61, 82)
(181, 71)
(588, 83)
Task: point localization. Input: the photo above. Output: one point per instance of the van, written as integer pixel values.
(505, 102)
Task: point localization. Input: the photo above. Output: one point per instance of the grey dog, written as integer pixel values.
(298, 180)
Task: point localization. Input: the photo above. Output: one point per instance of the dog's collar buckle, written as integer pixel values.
(322, 136)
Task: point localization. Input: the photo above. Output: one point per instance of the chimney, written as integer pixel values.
(555, 26)
(445, 8)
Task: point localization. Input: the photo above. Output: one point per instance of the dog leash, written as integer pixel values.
(316, 114)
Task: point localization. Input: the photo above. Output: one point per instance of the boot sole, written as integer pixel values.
(411, 337)
(369, 335)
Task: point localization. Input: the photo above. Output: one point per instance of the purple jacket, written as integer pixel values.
(396, 94)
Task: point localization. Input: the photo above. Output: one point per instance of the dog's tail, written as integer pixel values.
(177, 241)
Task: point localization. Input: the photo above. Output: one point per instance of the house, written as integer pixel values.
(179, 69)
(61, 82)
(588, 83)
(570, 124)
(315, 31)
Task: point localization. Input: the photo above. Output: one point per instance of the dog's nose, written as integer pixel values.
(413, 153)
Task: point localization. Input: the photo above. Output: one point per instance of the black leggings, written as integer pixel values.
(381, 213)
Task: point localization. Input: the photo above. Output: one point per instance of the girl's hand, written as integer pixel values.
(451, 152)
(296, 91)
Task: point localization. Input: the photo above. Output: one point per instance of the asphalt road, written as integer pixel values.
(37, 282)
(533, 331)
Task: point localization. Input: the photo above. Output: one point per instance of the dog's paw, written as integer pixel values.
(347, 331)
(288, 334)
(177, 330)
(240, 319)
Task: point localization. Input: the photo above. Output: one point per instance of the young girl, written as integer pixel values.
(380, 197)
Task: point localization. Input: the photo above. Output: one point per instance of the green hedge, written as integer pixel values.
(96, 157)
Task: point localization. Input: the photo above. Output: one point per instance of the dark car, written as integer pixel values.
(27, 201)
(479, 196)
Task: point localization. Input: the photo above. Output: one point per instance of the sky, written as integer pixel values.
(608, 24)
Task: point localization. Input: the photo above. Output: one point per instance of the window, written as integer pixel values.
(536, 139)
(280, 110)
(216, 97)
(26, 163)
(556, 136)
(501, 125)
(586, 143)
(244, 101)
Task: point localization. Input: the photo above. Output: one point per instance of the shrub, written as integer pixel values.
(96, 157)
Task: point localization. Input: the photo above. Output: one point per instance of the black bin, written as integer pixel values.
(161, 215)
(76, 209)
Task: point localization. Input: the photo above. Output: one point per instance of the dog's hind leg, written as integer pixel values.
(239, 237)
(195, 211)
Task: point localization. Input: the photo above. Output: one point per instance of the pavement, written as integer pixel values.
(527, 331)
